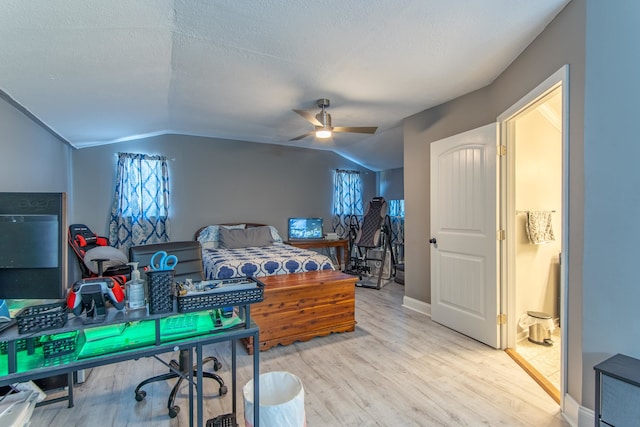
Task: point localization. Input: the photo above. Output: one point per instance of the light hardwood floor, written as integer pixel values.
(397, 369)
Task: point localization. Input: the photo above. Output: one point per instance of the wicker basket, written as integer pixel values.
(42, 317)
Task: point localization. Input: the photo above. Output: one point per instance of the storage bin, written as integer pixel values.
(42, 317)
(161, 288)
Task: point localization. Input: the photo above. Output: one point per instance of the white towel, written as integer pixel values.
(539, 229)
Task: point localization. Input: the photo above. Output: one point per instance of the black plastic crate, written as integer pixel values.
(42, 317)
(59, 344)
(161, 290)
(219, 297)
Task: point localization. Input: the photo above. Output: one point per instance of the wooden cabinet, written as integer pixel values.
(300, 306)
(617, 392)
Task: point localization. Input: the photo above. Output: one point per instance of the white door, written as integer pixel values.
(464, 285)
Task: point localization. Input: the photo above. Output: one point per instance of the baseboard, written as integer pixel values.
(586, 417)
(575, 414)
(417, 305)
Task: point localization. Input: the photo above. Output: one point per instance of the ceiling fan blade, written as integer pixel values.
(310, 117)
(302, 136)
(361, 129)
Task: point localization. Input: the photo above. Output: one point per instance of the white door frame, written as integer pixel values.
(507, 212)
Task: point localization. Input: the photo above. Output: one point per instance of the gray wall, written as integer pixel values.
(391, 184)
(215, 181)
(612, 205)
(32, 158)
(562, 42)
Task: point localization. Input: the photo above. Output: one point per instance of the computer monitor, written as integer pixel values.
(32, 246)
(305, 228)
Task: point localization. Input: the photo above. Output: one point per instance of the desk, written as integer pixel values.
(16, 372)
(341, 245)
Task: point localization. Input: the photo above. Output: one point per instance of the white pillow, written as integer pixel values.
(113, 255)
(274, 235)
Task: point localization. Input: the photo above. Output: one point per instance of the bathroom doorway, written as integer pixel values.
(535, 222)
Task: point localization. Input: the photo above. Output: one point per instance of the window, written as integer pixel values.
(140, 210)
(347, 200)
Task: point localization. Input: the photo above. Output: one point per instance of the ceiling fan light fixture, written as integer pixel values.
(323, 133)
(322, 124)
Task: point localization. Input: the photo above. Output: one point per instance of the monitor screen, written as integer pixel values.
(305, 228)
(32, 246)
(29, 241)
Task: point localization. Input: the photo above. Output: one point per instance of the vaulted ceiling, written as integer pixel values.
(104, 71)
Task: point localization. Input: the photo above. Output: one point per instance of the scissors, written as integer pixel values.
(166, 262)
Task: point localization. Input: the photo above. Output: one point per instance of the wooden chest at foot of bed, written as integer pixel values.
(301, 306)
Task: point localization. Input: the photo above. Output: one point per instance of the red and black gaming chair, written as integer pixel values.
(96, 257)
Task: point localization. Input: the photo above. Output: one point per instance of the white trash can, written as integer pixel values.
(281, 401)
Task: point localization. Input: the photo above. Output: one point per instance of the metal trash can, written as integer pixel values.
(539, 332)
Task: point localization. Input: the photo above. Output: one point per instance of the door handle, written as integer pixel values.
(433, 240)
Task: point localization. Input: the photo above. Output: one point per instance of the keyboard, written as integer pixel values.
(179, 324)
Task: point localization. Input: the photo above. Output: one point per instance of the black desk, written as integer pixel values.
(161, 345)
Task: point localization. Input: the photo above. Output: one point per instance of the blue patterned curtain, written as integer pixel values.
(396, 214)
(140, 211)
(347, 200)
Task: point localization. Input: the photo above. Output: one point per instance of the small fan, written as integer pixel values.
(322, 123)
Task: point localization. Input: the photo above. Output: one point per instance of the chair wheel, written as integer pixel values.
(222, 391)
(217, 365)
(173, 412)
(140, 395)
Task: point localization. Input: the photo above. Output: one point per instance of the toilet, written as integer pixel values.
(540, 329)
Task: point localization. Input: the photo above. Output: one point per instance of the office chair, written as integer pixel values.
(189, 254)
(374, 234)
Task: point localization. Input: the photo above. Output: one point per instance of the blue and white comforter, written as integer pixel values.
(262, 261)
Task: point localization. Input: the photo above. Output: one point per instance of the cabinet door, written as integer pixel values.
(620, 405)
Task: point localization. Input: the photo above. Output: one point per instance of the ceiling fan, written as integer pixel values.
(322, 123)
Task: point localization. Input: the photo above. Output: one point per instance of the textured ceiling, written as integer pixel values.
(103, 71)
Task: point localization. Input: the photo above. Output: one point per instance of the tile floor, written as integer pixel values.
(546, 359)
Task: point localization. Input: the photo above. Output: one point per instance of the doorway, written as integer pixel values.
(534, 192)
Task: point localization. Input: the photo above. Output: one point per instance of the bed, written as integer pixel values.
(251, 249)
(315, 301)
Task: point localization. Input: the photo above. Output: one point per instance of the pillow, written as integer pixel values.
(274, 235)
(209, 236)
(114, 256)
(244, 238)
